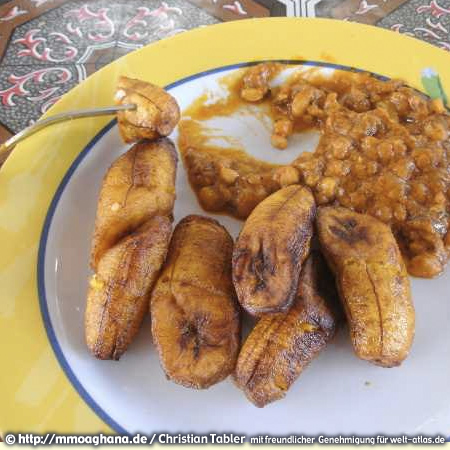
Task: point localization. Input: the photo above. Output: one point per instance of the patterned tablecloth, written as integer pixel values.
(48, 46)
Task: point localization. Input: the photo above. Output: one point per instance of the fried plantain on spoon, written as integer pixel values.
(155, 115)
(271, 248)
(372, 281)
(280, 346)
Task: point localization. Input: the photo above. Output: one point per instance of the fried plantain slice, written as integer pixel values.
(139, 185)
(157, 112)
(271, 248)
(195, 317)
(372, 282)
(280, 346)
(119, 291)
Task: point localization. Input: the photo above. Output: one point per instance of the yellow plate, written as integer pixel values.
(36, 394)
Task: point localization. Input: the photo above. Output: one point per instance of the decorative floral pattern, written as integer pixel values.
(35, 47)
(39, 3)
(103, 27)
(19, 87)
(46, 55)
(26, 93)
(152, 22)
(364, 7)
(12, 14)
(433, 8)
(236, 7)
(424, 19)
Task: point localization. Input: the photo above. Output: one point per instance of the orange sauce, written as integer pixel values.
(194, 135)
(384, 151)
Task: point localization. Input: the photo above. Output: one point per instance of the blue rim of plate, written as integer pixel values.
(54, 203)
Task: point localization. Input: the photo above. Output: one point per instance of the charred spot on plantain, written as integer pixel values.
(348, 223)
(348, 230)
(197, 346)
(260, 285)
(307, 343)
(261, 265)
(187, 331)
(191, 332)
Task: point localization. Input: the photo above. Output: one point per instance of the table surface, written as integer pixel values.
(49, 46)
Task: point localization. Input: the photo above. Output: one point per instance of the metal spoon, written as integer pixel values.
(7, 146)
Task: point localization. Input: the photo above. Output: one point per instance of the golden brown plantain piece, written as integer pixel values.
(156, 114)
(282, 345)
(271, 248)
(119, 291)
(138, 185)
(372, 283)
(195, 317)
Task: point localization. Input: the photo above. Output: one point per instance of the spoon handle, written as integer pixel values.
(7, 146)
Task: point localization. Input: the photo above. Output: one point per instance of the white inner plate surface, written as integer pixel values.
(337, 394)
